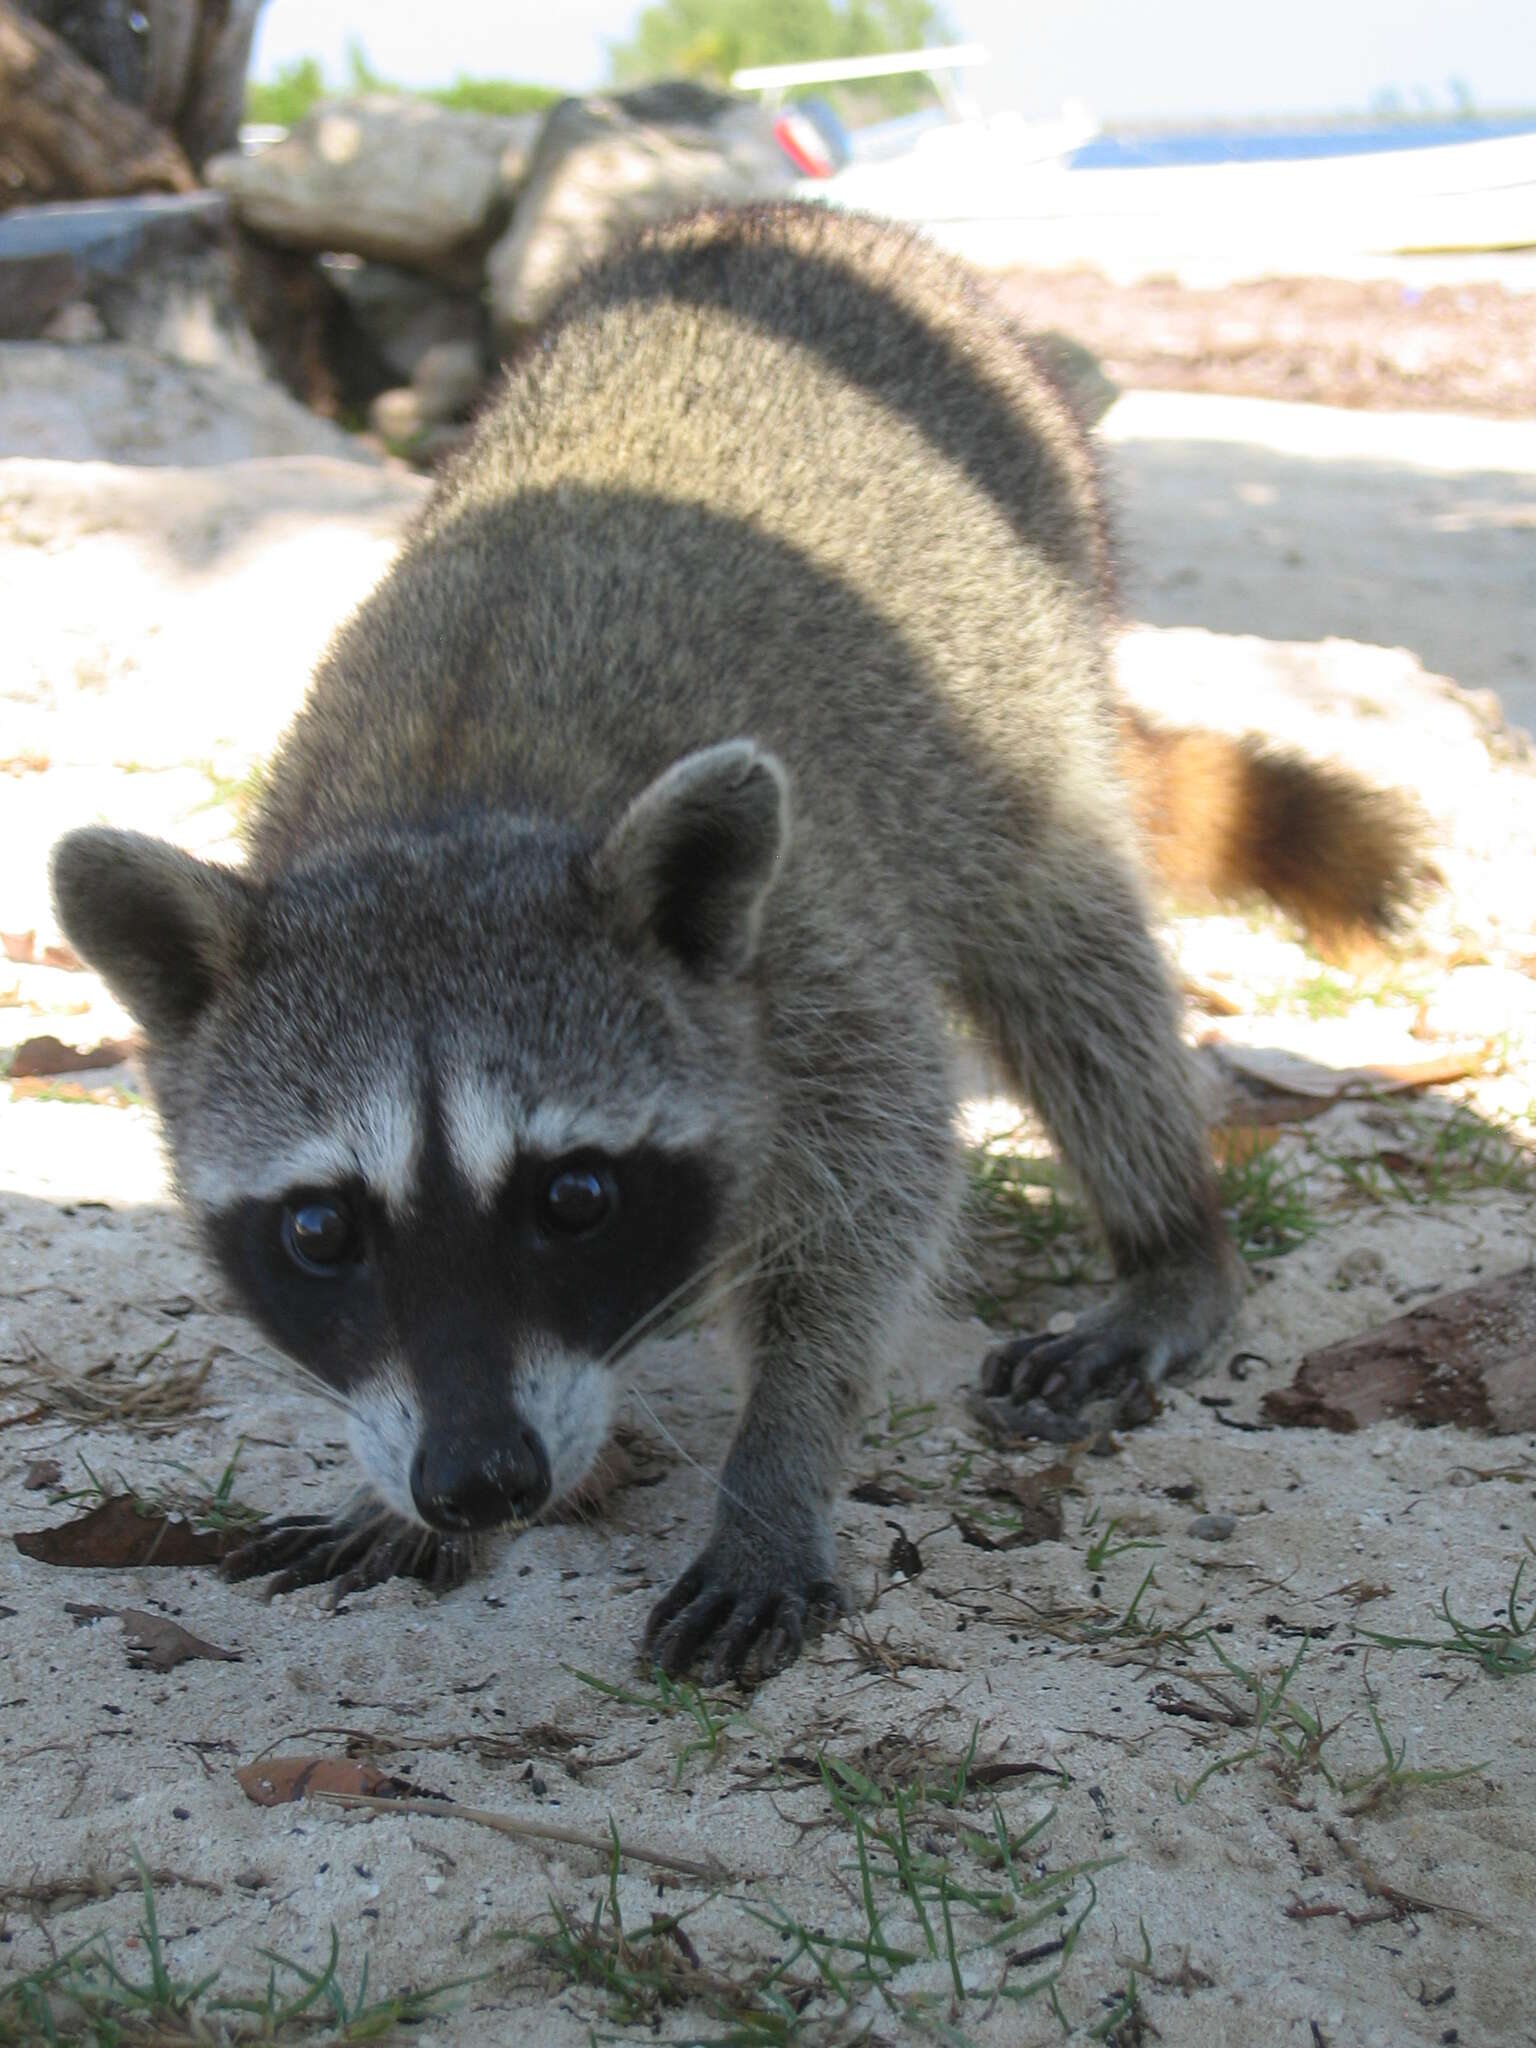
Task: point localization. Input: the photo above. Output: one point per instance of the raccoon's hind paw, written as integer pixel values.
(741, 1611)
(356, 1548)
(1152, 1324)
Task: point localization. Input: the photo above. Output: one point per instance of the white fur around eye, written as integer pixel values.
(569, 1402)
(486, 1129)
(384, 1429)
(378, 1141)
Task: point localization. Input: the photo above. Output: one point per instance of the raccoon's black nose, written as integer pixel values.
(458, 1484)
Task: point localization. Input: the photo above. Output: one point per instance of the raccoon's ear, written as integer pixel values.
(693, 857)
(161, 928)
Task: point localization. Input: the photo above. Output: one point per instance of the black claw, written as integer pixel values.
(672, 1603)
(272, 1545)
(354, 1551)
(748, 1632)
(1161, 1318)
(730, 1618)
(1036, 1386)
(1138, 1405)
(682, 1623)
(1003, 1361)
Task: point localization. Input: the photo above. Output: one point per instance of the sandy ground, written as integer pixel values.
(159, 622)
(1406, 342)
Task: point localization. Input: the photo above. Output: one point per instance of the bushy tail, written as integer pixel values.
(1234, 815)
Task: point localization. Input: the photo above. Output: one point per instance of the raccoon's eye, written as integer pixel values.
(577, 1199)
(319, 1234)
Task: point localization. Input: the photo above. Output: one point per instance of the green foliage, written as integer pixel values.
(1504, 1648)
(286, 99)
(492, 96)
(85, 1995)
(299, 86)
(1266, 1204)
(923, 1881)
(710, 39)
(361, 76)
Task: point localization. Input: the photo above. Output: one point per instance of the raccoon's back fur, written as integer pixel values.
(842, 388)
(774, 473)
(739, 706)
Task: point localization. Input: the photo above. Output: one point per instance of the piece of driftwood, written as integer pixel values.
(1467, 1358)
(180, 62)
(109, 35)
(63, 134)
(212, 104)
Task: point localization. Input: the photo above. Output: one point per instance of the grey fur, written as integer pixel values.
(783, 486)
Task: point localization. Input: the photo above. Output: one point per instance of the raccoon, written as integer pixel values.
(737, 712)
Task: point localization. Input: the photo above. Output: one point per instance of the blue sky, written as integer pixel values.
(1126, 58)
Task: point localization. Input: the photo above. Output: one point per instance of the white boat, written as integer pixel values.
(1211, 222)
(1003, 191)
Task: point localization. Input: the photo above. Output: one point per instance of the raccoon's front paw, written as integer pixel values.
(361, 1546)
(743, 1608)
(1152, 1324)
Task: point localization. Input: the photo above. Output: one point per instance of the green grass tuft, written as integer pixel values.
(86, 1997)
(1267, 1204)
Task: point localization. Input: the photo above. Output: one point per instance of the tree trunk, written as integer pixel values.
(109, 35)
(62, 133)
(173, 27)
(214, 104)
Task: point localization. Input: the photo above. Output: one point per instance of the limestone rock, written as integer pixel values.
(114, 403)
(397, 416)
(401, 314)
(155, 271)
(448, 379)
(608, 165)
(400, 181)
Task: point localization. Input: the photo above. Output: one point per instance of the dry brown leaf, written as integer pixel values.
(277, 1780)
(1042, 1524)
(1206, 996)
(1289, 1073)
(38, 1058)
(1396, 1076)
(1466, 1358)
(119, 1533)
(22, 948)
(1034, 1489)
(884, 1490)
(155, 1642)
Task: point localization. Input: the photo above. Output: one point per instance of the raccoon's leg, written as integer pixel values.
(854, 1212)
(362, 1545)
(1078, 1002)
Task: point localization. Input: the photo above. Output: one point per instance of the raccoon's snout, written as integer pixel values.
(462, 1484)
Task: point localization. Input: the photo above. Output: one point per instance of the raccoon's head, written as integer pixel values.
(461, 1109)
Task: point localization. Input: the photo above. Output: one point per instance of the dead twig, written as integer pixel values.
(68, 1892)
(155, 1403)
(710, 1872)
(1404, 1904)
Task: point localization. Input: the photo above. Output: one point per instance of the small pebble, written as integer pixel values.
(1363, 1267)
(1212, 1528)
